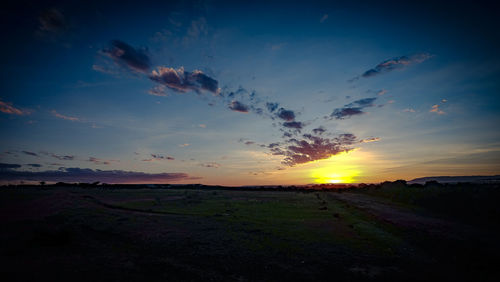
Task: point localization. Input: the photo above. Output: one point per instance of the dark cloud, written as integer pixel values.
(293, 124)
(286, 114)
(343, 113)
(313, 148)
(90, 175)
(238, 107)
(34, 165)
(30, 153)
(183, 81)
(8, 166)
(353, 109)
(52, 21)
(318, 131)
(363, 103)
(127, 56)
(249, 142)
(395, 63)
(158, 157)
(271, 107)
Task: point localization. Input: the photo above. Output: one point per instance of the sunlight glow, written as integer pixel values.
(338, 169)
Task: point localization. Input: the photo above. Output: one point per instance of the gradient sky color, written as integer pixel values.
(248, 92)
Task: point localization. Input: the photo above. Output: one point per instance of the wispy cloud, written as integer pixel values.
(408, 110)
(393, 64)
(158, 90)
(100, 161)
(124, 55)
(52, 21)
(58, 115)
(158, 157)
(437, 110)
(30, 153)
(88, 175)
(370, 139)
(323, 18)
(210, 165)
(8, 108)
(59, 157)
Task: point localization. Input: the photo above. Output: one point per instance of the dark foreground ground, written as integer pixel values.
(69, 233)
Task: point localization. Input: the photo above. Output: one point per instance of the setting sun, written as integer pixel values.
(337, 169)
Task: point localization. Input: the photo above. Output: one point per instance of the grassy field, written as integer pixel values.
(192, 234)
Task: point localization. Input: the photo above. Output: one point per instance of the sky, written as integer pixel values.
(248, 92)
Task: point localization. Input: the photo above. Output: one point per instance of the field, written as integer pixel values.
(392, 231)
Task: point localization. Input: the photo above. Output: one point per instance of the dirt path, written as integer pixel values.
(401, 216)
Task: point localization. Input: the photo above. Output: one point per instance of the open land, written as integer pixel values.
(193, 233)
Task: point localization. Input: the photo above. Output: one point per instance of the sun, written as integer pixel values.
(338, 169)
(334, 175)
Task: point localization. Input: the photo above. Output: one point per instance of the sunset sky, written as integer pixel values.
(248, 92)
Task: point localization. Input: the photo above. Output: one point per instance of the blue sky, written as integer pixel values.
(363, 92)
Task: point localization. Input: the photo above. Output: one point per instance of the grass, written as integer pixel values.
(197, 234)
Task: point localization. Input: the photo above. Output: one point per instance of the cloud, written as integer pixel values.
(363, 103)
(318, 131)
(30, 153)
(90, 175)
(293, 124)
(343, 113)
(323, 18)
(271, 107)
(278, 46)
(371, 139)
(353, 108)
(312, 148)
(393, 64)
(184, 145)
(99, 161)
(158, 90)
(202, 125)
(286, 114)
(408, 110)
(52, 21)
(158, 157)
(435, 109)
(8, 108)
(210, 165)
(4, 166)
(183, 81)
(34, 165)
(127, 56)
(238, 107)
(196, 30)
(56, 114)
(59, 157)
